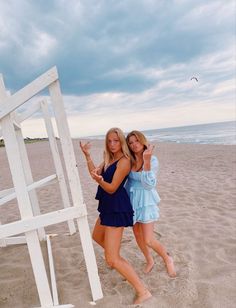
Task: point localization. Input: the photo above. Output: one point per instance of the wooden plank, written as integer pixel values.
(16, 125)
(90, 259)
(59, 306)
(75, 187)
(36, 106)
(15, 240)
(57, 162)
(16, 100)
(24, 205)
(6, 192)
(37, 184)
(66, 142)
(52, 272)
(36, 222)
(3, 92)
(3, 95)
(2, 241)
(29, 179)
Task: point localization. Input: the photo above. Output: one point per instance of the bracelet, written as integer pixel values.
(101, 180)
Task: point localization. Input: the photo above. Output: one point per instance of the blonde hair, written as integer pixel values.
(140, 137)
(108, 156)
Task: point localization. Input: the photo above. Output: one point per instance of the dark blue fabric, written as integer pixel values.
(115, 209)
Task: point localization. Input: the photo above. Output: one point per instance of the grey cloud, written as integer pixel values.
(94, 40)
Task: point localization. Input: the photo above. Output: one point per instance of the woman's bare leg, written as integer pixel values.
(112, 244)
(137, 229)
(99, 233)
(149, 239)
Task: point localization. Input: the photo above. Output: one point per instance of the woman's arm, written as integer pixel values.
(150, 167)
(147, 155)
(122, 170)
(90, 164)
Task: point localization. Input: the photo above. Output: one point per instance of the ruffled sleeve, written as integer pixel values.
(149, 178)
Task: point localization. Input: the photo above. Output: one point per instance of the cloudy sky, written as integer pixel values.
(124, 63)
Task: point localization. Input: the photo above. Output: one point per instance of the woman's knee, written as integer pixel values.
(111, 260)
(149, 242)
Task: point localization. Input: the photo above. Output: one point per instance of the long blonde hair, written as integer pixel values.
(140, 137)
(108, 156)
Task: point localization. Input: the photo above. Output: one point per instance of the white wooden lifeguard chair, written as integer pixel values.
(32, 222)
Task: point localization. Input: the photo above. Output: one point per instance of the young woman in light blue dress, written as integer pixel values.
(141, 188)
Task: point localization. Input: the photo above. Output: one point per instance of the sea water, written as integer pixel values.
(213, 133)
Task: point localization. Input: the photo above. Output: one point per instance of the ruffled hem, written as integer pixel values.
(115, 203)
(117, 219)
(146, 214)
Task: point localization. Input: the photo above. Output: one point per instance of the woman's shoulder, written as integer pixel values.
(124, 162)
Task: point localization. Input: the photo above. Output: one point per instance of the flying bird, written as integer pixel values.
(194, 78)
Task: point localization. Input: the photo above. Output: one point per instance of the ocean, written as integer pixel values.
(212, 133)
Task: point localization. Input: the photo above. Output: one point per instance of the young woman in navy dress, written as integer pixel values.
(141, 188)
(115, 209)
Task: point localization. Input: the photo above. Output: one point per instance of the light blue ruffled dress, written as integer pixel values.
(141, 188)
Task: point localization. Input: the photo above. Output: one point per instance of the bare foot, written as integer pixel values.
(170, 267)
(142, 297)
(148, 267)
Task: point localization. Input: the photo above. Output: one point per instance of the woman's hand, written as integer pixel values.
(85, 148)
(147, 154)
(96, 176)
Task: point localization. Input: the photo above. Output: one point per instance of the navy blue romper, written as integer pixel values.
(115, 209)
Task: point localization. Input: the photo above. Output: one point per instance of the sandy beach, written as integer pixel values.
(197, 185)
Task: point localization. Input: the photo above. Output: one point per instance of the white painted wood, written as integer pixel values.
(36, 222)
(57, 162)
(12, 240)
(52, 272)
(28, 113)
(3, 95)
(6, 192)
(59, 306)
(26, 168)
(39, 184)
(16, 125)
(2, 241)
(28, 224)
(75, 187)
(90, 259)
(15, 240)
(24, 205)
(16, 100)
(29, 180)
(3, 92)
(18, 118)
(66, 142)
